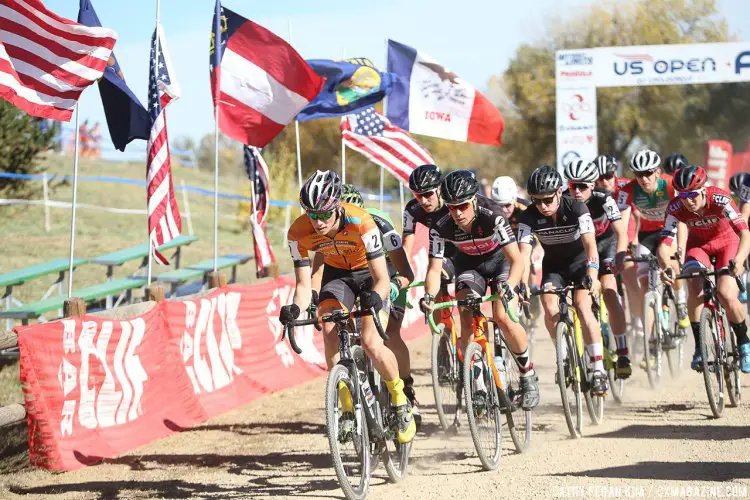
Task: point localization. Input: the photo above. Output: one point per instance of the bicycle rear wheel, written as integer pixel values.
(350, 451)
(445, 377)
(594, 404)
(570, 390)
(732, 367)
(518, 419)
(713, 372)
(652, 339)
(484, 418)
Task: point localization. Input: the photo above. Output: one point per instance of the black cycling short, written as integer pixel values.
(449, 271)
(559, 275)
(650, 240)
(607, 248)
(477, 272)
(344, 285)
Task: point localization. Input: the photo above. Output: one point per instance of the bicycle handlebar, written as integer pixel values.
(334, 317)
(705, 273)
(471, 301)
(553, 291)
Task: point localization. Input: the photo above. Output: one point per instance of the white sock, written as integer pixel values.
(596, 356)
(681, 296)
(479, 379)
(638, 323)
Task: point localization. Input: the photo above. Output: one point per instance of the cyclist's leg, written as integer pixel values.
(395, 343)
(647, 244)
(551, 280)
(335, 294)
(728, 293)
(695, 258)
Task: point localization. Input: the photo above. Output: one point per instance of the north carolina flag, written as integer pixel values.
(258, 81)
(429, 99)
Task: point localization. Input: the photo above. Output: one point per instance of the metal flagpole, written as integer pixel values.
(385, 111)
(73, 209)
(151, 248)
(217, 47)
(254, 215)
(296, 125)
(382, 181)
(343, 147)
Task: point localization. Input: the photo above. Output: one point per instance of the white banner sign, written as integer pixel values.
(576, 125)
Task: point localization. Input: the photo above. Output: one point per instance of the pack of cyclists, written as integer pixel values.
(581, 226)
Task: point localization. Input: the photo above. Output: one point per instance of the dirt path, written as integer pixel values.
(659, 444)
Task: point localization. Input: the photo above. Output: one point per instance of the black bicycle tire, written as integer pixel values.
(488, 463)
(337, 373)
(717, 407)
(396, 473)
(732, 368)
(443, 416)
(651, 304)
(521, 445)
(561, 334)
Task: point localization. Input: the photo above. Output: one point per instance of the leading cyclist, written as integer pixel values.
(355, 265)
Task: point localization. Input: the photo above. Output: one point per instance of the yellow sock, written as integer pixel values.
(345, 398)
(396, 388)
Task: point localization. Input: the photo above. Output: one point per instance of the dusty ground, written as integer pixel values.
(659, 444)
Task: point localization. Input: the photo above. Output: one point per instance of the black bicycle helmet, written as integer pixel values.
(689, 178)
(544, 180)
(350, 194)
(321, 192)
(607, 164)
(737, 181)
(675, 161)
(424, 178)
(459, 186)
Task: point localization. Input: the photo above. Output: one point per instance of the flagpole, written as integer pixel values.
(254, 213)
(385, 114)
(73, 205)
(296, 125)
(151, 247)
(343, 146)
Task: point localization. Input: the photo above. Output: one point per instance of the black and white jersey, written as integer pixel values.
(489, 232)
(604, 210)
(561, 239)
(414, 214)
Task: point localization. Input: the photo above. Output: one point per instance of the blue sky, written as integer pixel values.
(475, 38)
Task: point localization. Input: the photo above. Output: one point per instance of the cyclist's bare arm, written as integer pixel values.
(745, 211)
(434, 272)
(317, 271)
(518, 263)
(626, 214)
(407, 241)
(744, 247)
(381, 281)
(401, 263)
(303, 290)
(682, 235)
(620, 227)
(592, 254)
(637, 219)
(525, 249)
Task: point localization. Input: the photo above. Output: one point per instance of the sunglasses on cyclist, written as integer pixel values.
(647, 173)
(460, 206)
(607, 177)
(320, 215)
(548, 200)
(689, 195)
(426, 194)
(578, 186)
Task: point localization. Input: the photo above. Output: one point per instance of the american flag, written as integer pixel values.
(46, 61)
(257, 172)
(164, 222)
(383, 143)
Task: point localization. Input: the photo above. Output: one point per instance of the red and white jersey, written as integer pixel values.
(719, 221)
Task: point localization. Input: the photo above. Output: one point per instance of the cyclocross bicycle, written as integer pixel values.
(616, 383)
(721, 360)
(501, 388)
(359, 441)
(573, 373)
(660, 332)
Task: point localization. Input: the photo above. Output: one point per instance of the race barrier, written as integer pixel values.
(96, 388)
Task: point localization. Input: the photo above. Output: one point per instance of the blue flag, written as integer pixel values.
(351, 84)
(127, 119)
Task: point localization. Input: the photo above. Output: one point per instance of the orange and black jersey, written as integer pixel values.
(357, 241)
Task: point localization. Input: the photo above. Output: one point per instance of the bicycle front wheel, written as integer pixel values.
(570, 389)
(395, 455)
(482, 406)
(348, 437)
(652, 339)
(713, 370)
(445, 376)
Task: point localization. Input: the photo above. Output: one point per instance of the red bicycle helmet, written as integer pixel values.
(689, 178)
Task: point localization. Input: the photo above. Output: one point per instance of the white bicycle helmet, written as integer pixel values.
(645, 161)
(579, 170)
(504, 190)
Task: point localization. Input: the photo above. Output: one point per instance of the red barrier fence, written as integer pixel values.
(97, 388)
